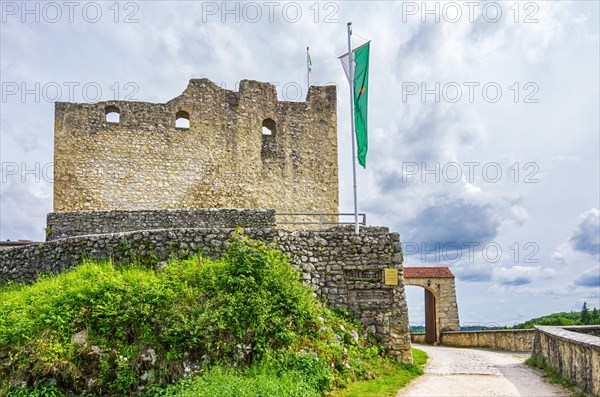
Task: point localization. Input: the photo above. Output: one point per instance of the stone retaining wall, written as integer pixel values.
(510, 339)
(79, 223)
(344, 268)
(576, 355)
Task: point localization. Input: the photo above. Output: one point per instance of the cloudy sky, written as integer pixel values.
(483, 120)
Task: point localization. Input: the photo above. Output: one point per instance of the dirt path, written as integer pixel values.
(478, 372)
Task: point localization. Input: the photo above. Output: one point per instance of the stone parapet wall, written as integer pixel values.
(575, 354)
(585, 329)
(78, 223)
(511, 339)
(345, 269)
(418, 337)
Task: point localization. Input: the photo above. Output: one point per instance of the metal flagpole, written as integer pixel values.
(307, 70)
(351, 78)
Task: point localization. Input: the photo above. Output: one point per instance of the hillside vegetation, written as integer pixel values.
(583, 317)
(563, 318)
(241, 325)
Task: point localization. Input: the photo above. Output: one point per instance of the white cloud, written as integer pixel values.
(172, 43)
(519, 275)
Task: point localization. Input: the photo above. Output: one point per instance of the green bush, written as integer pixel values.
(243, 320)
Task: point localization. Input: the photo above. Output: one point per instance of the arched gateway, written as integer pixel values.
(441, 309)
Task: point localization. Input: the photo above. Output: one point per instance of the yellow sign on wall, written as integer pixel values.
(390, 276)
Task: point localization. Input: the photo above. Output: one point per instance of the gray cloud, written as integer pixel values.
(586, 237)
(473, 273)
(23, 198)
(589, 278)
(454, 220)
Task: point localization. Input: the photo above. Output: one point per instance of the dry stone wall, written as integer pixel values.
(223, 160)
(79, 223)
(344, 268)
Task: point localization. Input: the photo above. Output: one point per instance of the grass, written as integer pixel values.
(551, 375)
(389, 377)
(240, 325)
(231, 382)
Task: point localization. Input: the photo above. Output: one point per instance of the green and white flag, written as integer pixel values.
(361, 95)
(308, 61)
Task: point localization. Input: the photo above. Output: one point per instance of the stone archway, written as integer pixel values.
(441, 308)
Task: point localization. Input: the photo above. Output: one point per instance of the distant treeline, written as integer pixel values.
(583, 317)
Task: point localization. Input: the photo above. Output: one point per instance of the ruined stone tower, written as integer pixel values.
(159, 181)
(218, 157)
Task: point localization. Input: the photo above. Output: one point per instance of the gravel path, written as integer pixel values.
(478, 372)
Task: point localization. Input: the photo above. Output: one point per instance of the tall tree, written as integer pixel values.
(595, 316)
(585, 314)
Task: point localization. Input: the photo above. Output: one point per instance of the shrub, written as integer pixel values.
(244, 319)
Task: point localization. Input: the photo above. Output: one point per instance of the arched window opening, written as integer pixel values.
(268, 127)
(113, 114)
(268, 149)
(182, 119)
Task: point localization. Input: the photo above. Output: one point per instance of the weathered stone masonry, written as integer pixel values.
(344, 268)
(574, 351)
(141, 187)
(222, 160)
(80, 223)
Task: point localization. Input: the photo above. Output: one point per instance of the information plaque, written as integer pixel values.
(390, 276)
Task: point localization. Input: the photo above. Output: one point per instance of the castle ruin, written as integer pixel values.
(155, 181)
(230, 149)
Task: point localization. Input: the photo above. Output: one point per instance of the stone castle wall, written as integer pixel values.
(79, 223)
(520, 340)
(574, 351)
(346, 269)
(223, 160)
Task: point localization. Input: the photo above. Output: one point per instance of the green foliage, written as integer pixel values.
(563, 318)
(388, 376)
(40, 390)
(585, 314)
(553, 376)
(231, 382)
(239, 323)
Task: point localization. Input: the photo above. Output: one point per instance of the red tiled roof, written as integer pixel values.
(428, 272)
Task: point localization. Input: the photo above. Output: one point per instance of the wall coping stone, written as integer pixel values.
(568, 334)
(490, 331)
(89, 222)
